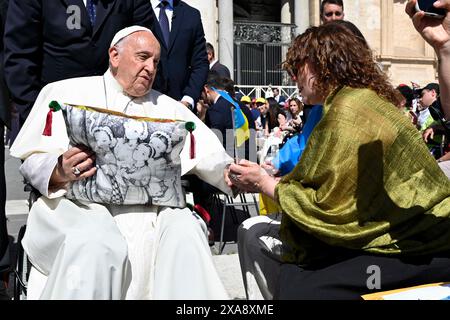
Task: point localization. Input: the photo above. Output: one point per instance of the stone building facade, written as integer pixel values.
(399, 49)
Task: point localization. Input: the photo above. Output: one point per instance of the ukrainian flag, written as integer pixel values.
(240, 120)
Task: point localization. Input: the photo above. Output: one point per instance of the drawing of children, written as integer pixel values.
(172, 191)
(161, 145)
(106, 163)
(135, 132)
(163, 184)
(138, 175)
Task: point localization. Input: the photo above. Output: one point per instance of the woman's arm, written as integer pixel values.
(250, 177)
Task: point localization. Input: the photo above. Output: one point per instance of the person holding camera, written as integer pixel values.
(428, 95)
(436, 32)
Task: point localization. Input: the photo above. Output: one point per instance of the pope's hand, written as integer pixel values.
(226, 172)
(77, 163)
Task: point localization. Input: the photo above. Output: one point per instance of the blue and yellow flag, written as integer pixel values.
(240, 120)
(289, 155)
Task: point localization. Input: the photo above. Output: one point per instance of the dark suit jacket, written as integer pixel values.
(280, 99)
(41, 48)
(4, 96)
(221, 70)
(183, 66)
(4, 118)
(218, 116)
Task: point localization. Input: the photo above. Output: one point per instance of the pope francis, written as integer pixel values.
(85, 250)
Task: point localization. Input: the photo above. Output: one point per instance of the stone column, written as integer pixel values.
(301, 16)
(208, 12)
(387, 28)
(286, 11)
(226, 34)
(286, 18)
(387, 35)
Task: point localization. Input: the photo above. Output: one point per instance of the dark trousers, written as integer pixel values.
(340, 275)
(362, 274)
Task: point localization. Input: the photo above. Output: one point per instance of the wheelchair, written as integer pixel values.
(22, 265)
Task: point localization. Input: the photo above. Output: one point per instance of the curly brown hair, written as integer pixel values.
(338, 58)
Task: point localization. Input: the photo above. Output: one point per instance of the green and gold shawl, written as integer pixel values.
(366, 181)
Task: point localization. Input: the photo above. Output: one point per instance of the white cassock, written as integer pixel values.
(94, 251)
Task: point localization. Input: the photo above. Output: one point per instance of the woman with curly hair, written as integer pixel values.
(366, 208)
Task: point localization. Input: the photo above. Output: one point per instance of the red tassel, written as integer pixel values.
(190, 126)
(54, 106)
(192, 146)
(48, 124)
(203, 213)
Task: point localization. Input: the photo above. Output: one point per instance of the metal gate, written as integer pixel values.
(259, 50)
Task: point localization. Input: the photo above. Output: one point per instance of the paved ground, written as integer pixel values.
(227, 264)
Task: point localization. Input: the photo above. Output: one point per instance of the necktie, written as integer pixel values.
(164, 22)
(91, 10)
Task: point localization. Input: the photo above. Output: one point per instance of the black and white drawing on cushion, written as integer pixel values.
(137, 159)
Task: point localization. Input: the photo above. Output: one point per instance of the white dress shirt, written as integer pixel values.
(169, 10)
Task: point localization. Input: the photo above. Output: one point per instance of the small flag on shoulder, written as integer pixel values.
(241, 128)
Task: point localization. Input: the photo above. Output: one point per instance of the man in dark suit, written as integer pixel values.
(4, 120)
(214, 64)
(51, 40)
(183, 66)
(219, 114)
(219, 119)
(278, 98)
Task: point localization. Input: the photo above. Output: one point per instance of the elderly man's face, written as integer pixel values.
(135, 61)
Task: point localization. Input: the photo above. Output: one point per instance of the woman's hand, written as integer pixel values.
(246, 176)
(435, 31)
(77, 163)
(269, 168)
(250, 177)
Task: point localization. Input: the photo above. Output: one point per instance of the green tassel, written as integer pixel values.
(190, 126)
(54, 105)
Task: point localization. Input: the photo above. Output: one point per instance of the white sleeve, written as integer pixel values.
(30, 139)
(37, 170)
(211, 157)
